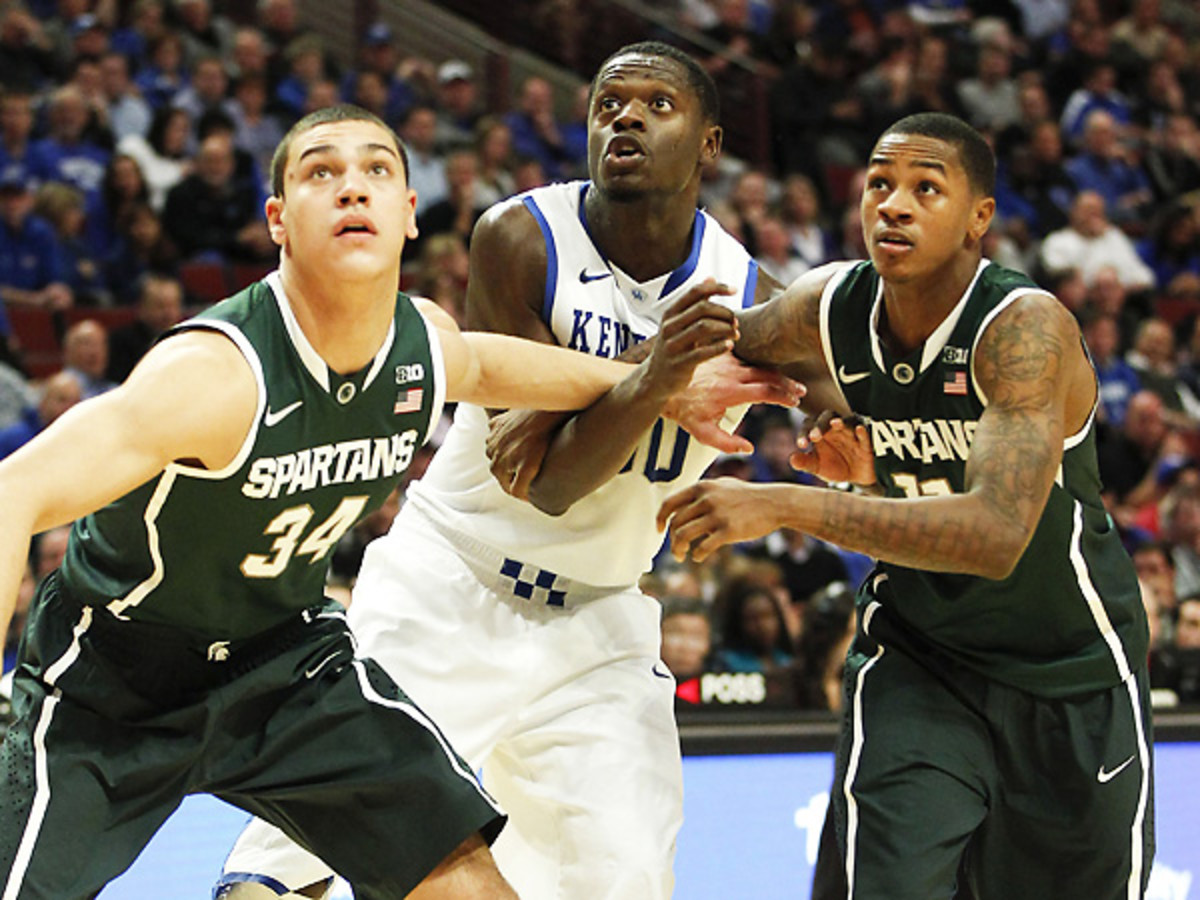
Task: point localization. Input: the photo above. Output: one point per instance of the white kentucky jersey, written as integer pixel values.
(607, 538)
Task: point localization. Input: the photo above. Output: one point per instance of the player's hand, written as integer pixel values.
(516, 444)
(693, 330)
(836, 449)
(716, 512)
(722, 382)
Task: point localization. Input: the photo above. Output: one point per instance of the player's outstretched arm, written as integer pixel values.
(1031, 367)
(192, 398)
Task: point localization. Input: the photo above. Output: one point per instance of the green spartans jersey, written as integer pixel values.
(225, 554)
(1069, 618)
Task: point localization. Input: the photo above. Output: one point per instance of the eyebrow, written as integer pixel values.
(330, 148)
(920, 163)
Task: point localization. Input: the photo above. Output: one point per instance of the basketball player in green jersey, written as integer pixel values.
(996, 713)
(185, 644)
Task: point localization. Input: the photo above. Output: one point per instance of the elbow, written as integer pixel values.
(1000, 558)
(552, 502)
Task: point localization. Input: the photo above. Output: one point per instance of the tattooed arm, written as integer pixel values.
(1031, 366)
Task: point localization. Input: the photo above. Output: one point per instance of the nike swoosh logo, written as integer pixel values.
(654, 669)
(584, 277)
(1104, 777)
(309, 673)
(849, 378)
(274, 418)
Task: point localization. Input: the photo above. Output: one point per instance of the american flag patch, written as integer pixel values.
(408, 401)
(955, 383)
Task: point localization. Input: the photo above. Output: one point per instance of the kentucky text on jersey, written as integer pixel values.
(603, 330)
(938, 439)
(363, 459)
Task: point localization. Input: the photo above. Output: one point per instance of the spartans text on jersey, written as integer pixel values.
(362, 459)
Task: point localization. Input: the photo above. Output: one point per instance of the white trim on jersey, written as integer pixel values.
(173, 470)
(460, 767)
(834, 282)
(439, 377)
(855, 756)
(41, 795)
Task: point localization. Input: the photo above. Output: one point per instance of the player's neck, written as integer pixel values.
(346, 323)
(913, 309)
(644, 238)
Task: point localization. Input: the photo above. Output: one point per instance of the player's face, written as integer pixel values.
(919, 211)
(346, 204)
(646, 130)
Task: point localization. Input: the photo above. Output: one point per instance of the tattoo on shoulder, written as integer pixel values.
(1021, 356)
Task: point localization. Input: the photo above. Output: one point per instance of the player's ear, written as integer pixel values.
(711, 148)
(981, 218)
(274, 211)
(410, 230)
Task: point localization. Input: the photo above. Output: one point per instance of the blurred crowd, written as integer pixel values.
(135, 145)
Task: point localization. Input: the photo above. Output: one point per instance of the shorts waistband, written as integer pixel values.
(509, 575)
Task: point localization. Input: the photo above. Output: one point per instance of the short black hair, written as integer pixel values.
(698, 80)
(341, 112)
(977, 158)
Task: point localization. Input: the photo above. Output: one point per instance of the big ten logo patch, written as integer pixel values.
(407, 374)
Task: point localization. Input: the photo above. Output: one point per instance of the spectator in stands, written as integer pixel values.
(493, 148)
(63, 207)
(1102, 167)
(74, 159)
(1173, 158)
(124, 186)
(1180, 528)
(378, 55)
(58, 394)
(85, 355)
(160, 305)
(1090, 242)
(1098, 92)
(204, 34)
(459, 211)
(128, 112)
(1155, 566)
(142, 246)
(26, 55)
(212, 213)
(1118, 381)
(20, 156)
(146, 25)
(279, 24)
(751, 201)
(15, 395)
(427, 170)
(444, 264)
(1141, 33)
(31, 266)
(305, 56)
(321, 93)
(825, 637)
(165, 74)
(754, 636)
(1033, 105)
(800, 208)
(459, 109)
(806, 564)
(535, 128)
(162, 154)
(207, 89)
(774, 445)
(250, 56)
(774, 252)
(990, 99)
(1173, 245)
(49, 550)
(686, 636)
(1152, 357)
(256, 131)
(1138, 464)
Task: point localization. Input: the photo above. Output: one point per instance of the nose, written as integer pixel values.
(353, 189)
(895, 207)
(632, 115)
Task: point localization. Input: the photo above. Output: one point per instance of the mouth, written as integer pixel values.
(624, 148)
(893, 240)
(353, 225)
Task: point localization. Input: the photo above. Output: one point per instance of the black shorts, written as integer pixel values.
(115, 722)
(946, 779)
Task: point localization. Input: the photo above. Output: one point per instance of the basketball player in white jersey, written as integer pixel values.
(518, 626)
